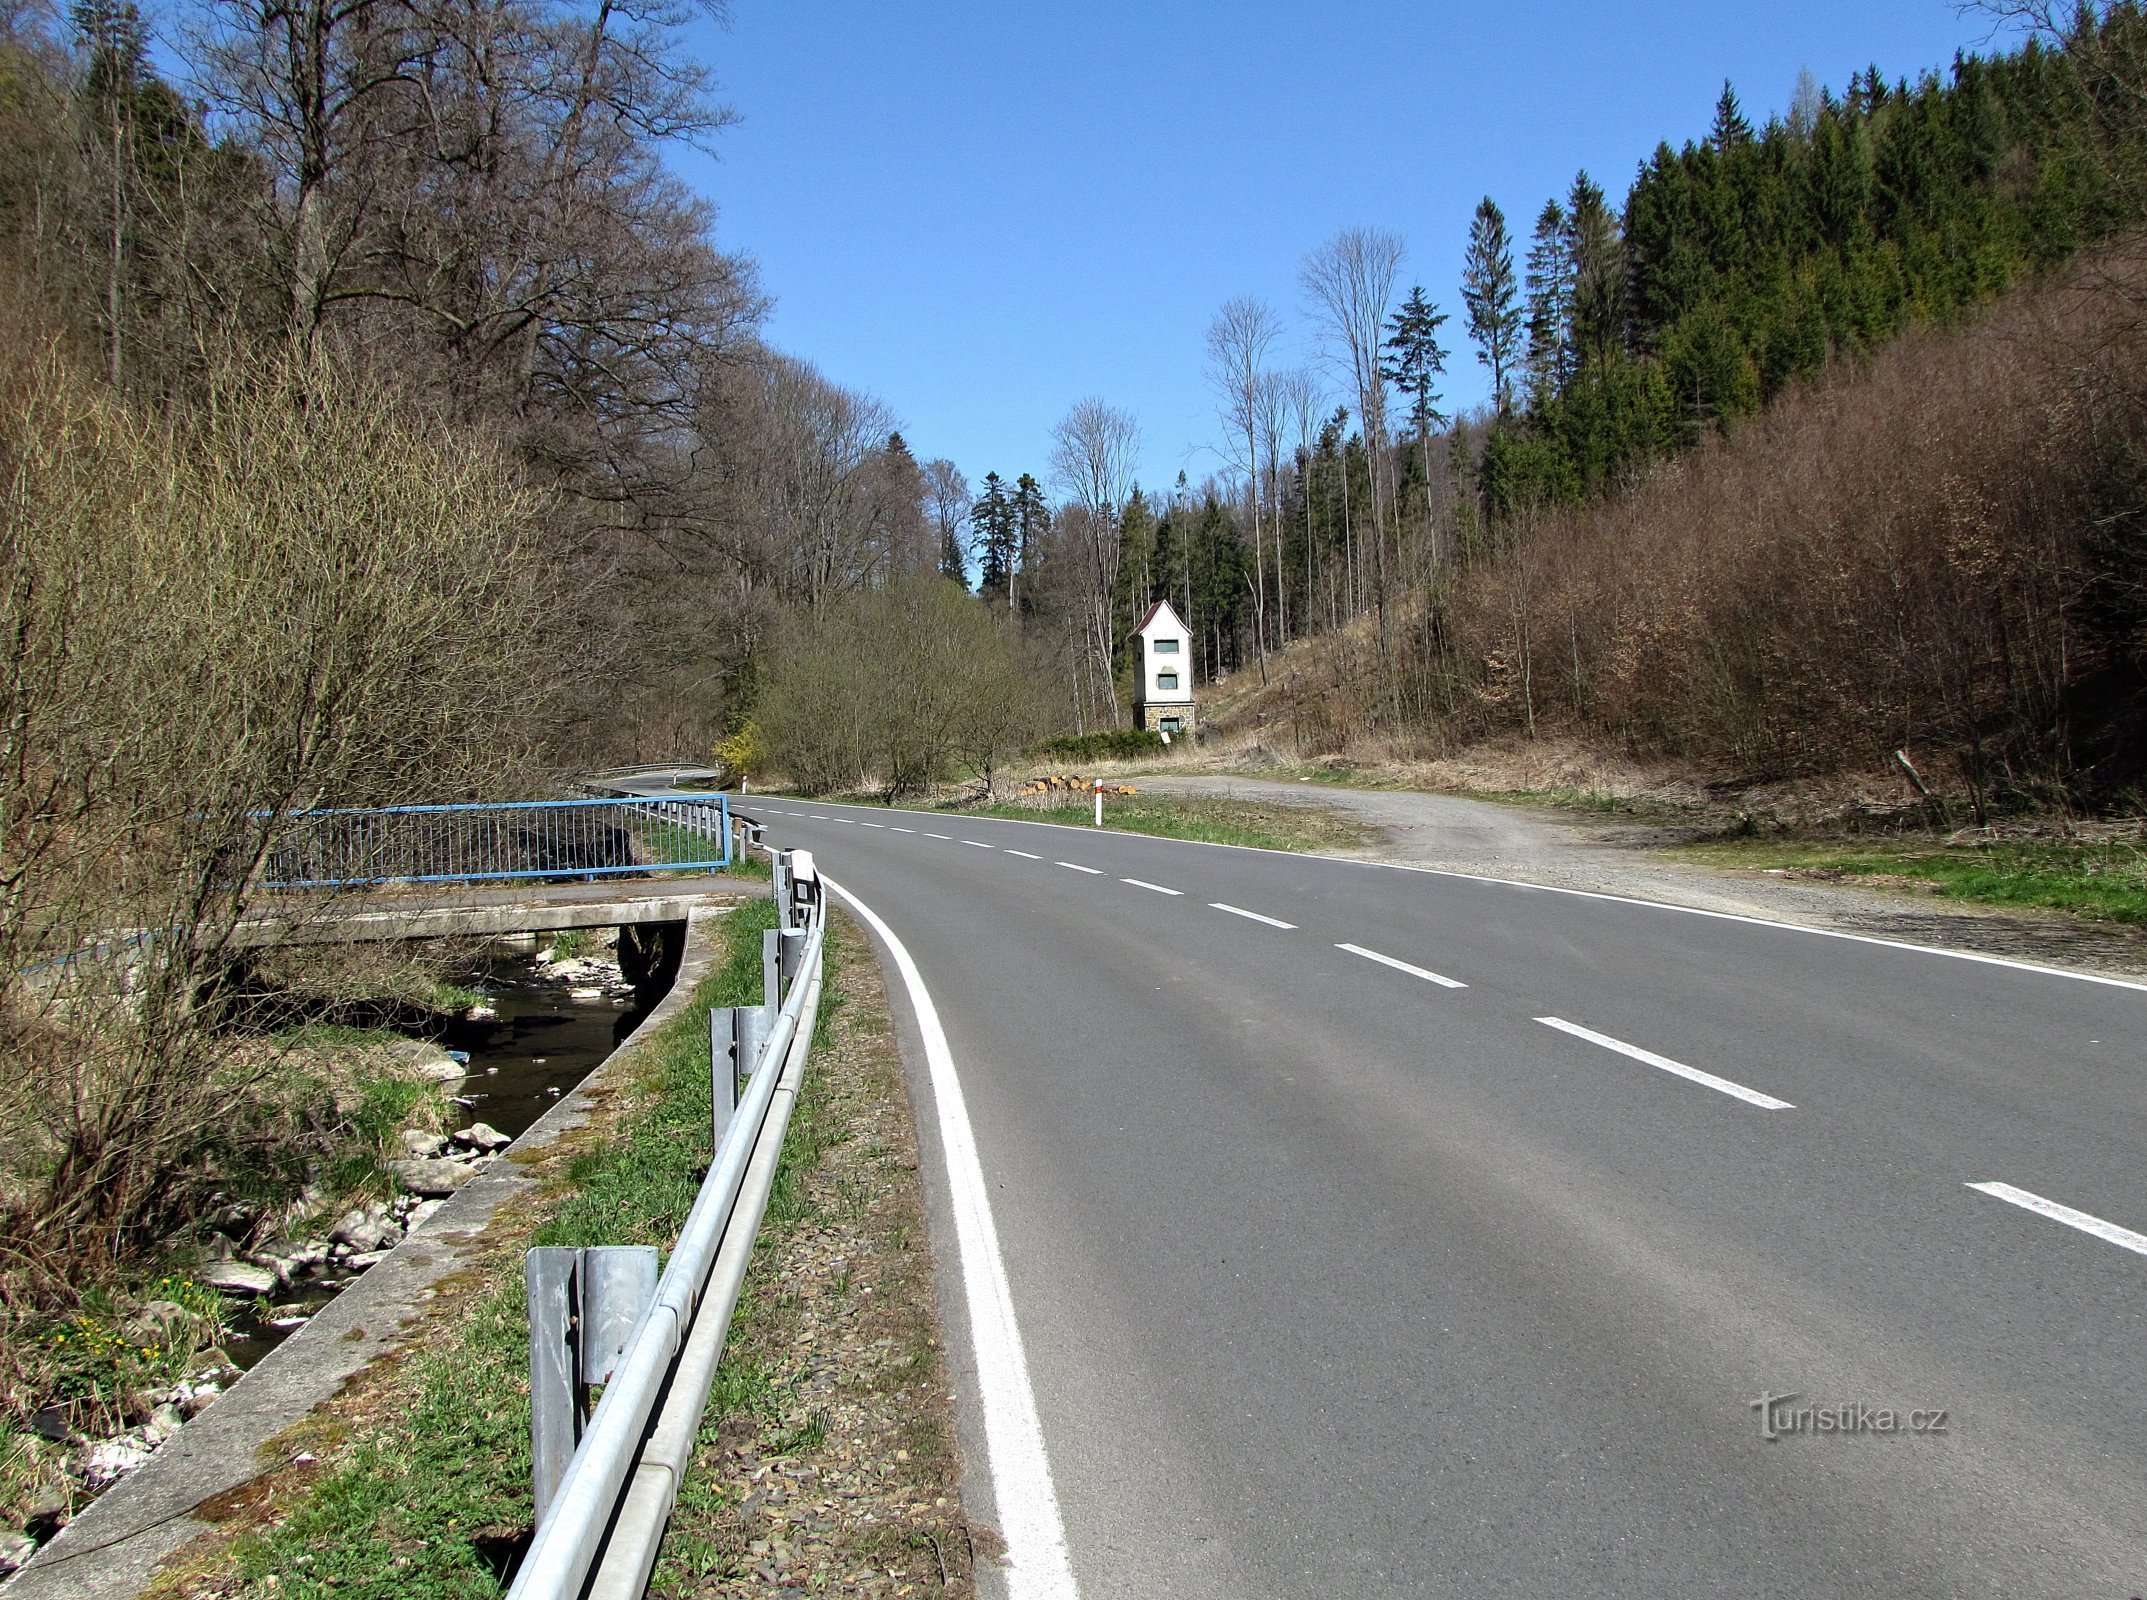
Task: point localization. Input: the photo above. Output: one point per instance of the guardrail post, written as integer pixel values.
(553, 1426)
(723, 1063)
(583, 1308)
(737, 1039)
(754, 1025)
(790, 954)
(804, 889)
(771, 969)
(617, 1283)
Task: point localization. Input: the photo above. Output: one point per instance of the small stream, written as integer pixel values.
(549, 1034)
(550, 1031)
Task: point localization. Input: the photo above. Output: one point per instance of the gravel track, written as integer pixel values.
(1452, 833)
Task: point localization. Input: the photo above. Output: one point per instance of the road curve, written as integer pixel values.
(1384, 1232)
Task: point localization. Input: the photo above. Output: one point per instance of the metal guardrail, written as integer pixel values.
(350, 847)
(605, 1486)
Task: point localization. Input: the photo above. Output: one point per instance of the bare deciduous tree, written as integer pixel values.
(813, 480)
(947, 498)
(1093, 452)
(1351, 281)
(1299, 391)
(479, 188)
(1239, 340)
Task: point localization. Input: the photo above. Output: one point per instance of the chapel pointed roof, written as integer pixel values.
(1150, 616)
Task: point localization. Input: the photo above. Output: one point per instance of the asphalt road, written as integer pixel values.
(1336, 1279)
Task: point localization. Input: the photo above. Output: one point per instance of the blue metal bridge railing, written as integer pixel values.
(349, 847)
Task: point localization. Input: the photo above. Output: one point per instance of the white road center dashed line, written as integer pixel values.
(1251, 916)
(1023, 853)
(979, 844)
(1737, 1091)
(1403, 966)
(872, 824)
(1037, 1564)
(2109, 1232)
(1093, 872)
(905, 830)
(1143, 883)
(948, 837)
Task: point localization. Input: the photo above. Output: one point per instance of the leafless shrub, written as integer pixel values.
(289, 596)
(1929, 553)
(895, 688)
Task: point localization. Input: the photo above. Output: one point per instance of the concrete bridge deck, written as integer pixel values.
(465, 911)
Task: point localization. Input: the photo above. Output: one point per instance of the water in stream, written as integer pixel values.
(549, 1033)
(554, 1023)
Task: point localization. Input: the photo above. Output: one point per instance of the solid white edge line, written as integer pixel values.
(1037, 1564)
(1736, 1091)
(2109, 1232)
(1094, 872)
(1143, 883)
(1029, 854)
(1251, 916)
(1428, 976)
(1977, 956)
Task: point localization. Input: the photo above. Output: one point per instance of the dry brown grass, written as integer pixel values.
(1918, 555)
(1939, 552)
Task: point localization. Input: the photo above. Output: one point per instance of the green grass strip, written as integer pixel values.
(2103, 881)
(1265, 827)
(423, 1510)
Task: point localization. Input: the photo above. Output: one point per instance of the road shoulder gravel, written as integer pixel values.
(828, 1463)
(1456, 833)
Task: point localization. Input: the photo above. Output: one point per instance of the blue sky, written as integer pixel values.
(983, 213)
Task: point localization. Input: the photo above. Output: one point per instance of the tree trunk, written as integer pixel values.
(112, 280)
(1259, 563)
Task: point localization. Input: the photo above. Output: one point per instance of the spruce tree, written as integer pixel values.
(1731, 131)
(1550, 307)
(1416, 361)
(992, 518)
(1028, 517)
(1598, 318)
(1490, 298)
(953, 560)
(1414, 365)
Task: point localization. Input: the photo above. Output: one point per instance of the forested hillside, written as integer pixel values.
(472, 214)
(1745, 261)
(1634, 352)
(468, 210)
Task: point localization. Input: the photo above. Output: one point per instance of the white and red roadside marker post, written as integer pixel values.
(1099, 802)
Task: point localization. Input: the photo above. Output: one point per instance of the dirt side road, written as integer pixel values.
(1455, 834)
